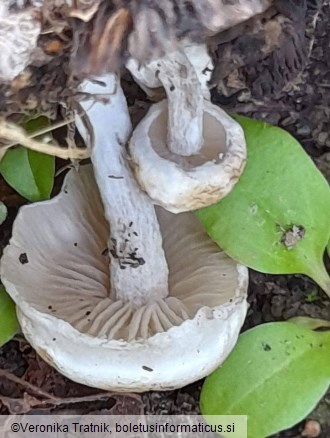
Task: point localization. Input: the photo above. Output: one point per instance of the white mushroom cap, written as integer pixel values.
(186, 153)
(57, 272)
(183, 183)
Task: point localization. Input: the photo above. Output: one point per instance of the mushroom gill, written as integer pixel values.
(57, 263)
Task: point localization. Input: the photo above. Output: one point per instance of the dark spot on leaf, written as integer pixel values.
(266, 347)
(50, 307)
(105, 252)
(88, 313)
(23, 258)
(75, 244)
(54, 339)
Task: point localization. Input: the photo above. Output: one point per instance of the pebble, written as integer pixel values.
(278, 306)
(287, 121)
(273, 118)
(303, 130)
(312, 429)
(322, 138)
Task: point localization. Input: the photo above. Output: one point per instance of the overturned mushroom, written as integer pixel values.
(121, 296)
(186, 153)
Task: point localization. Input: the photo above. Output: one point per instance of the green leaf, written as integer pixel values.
(30, 173)
(3, 212)
(9, 325)
(310, 323)
(277, 218)
(275, 375)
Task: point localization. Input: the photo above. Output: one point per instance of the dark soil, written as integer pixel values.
(293, 95)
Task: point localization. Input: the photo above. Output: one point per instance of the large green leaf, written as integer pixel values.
(30, 173)
(8, 321)
(275, 375)
(3, 212)
(277, 218)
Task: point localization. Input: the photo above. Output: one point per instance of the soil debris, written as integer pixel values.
(292, 236)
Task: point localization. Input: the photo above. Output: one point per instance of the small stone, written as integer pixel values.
(322, 138)
(303, 130)
(244, 96)
(278, 305)
(287, 121)
(312, 429)
(274, 118)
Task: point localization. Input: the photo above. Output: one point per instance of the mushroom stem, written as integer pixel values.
(185, 104)
(139, 272)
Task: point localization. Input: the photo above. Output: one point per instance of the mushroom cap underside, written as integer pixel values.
(180, 183)
(57, 271)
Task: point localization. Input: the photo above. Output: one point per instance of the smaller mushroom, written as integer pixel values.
(186, 153)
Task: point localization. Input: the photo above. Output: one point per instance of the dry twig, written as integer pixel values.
(47, 399)
(14, 134)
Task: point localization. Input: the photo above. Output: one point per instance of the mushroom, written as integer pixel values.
(146, 76)
(112, 292)
(186, 152)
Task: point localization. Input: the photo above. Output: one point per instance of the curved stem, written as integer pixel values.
(139, 271)
(185, 104)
